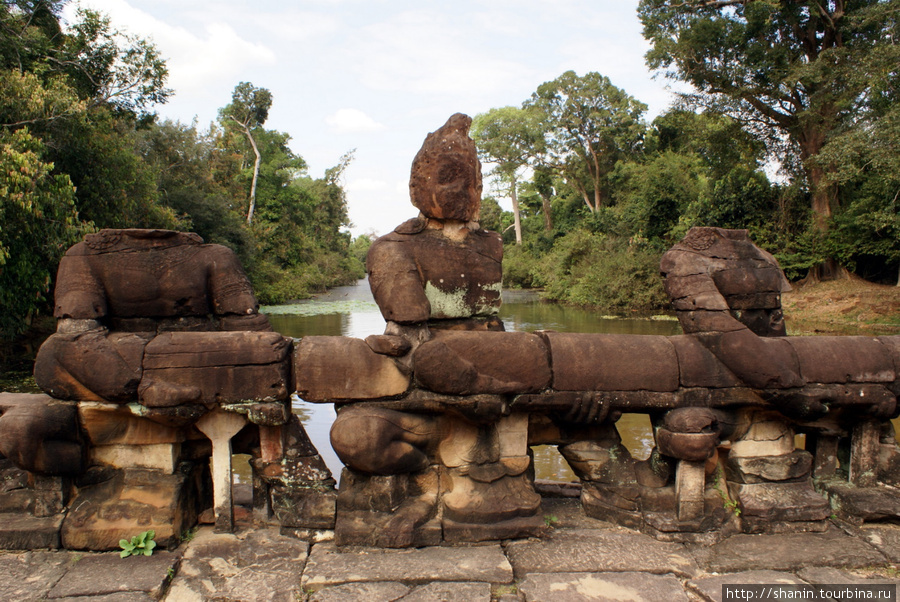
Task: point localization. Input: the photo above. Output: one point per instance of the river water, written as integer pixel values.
(351, 311)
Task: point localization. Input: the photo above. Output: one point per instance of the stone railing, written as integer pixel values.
(161, 368)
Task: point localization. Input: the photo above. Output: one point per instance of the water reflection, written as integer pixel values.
(351, 311)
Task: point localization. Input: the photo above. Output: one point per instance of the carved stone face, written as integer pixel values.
(763, 322)
(445, 182)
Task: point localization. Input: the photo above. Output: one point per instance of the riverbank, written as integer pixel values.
(847, 306)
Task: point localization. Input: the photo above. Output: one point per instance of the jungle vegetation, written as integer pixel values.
(81, 149)
(790, 128)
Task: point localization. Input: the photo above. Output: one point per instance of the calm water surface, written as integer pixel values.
(351, 311)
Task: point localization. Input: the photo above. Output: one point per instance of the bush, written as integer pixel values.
(591, 269)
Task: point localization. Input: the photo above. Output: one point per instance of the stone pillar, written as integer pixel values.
(864, 445)
(220, 427)
(690, 487)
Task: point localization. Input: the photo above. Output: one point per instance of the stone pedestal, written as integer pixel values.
(111, 504)
(393, 511)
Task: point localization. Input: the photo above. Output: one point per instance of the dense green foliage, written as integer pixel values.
(80, 150)
(810, 88)
(799, 74)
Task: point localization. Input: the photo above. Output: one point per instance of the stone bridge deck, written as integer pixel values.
(580, 559)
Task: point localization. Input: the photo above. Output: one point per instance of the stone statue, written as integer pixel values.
(119, 289)
(726, 292)
(436, 279)
(160, 358)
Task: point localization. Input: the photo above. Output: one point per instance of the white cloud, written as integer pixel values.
(219, 54)
(352, 121)
(198, 58)
(420, 52)
(366, 185)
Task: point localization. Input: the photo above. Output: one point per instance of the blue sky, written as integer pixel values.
(378, 75)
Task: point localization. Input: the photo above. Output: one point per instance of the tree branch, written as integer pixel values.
(709, 3)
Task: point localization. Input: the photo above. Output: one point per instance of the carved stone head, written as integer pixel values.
(445, 182)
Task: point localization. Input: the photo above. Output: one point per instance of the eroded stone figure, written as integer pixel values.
(436, 279)
(117, 290)
(727, 295)
(160, 353)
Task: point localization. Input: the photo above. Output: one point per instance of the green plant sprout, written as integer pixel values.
(730, 505)
(140, 545)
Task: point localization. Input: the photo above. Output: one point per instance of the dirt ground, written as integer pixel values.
(847, 306)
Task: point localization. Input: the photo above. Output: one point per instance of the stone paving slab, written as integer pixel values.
(786, 552)
(450, 592)
(95, 575)
(390, 591)
(387, 591)
(570, 551)
(27, 576)
(118, 597)
(259, 564)
(329, 566)
(602, 587)
(829, 576)
(884, 537)
(710, 587)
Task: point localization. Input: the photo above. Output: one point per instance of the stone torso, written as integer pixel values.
(418, 274)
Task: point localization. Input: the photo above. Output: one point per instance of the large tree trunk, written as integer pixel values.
(517, 218)
(548, 216)
(824, 198)
(256, 163)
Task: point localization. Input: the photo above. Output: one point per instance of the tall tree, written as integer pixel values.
(589, 124)
(787, 68)
(249, 109)
(509, 137)
(70, 102)
(38, 222)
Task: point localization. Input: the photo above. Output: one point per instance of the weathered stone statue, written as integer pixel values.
(726, 292)
(117, 290)
(727, 296)
(159, 359)
(436, 278)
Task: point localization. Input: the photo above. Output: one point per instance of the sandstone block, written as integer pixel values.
(466, 363)
(610, 362)
(22, 532)
(305, 508)
(786, 501)
(128, 503)
(111, 424)
(844, 359)
(385, 344)
(342, 368)
(215, 367)
(40, 434)
(90, 366)
(159, 456)
(212, 349)
(698, 367)
(789, 467)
